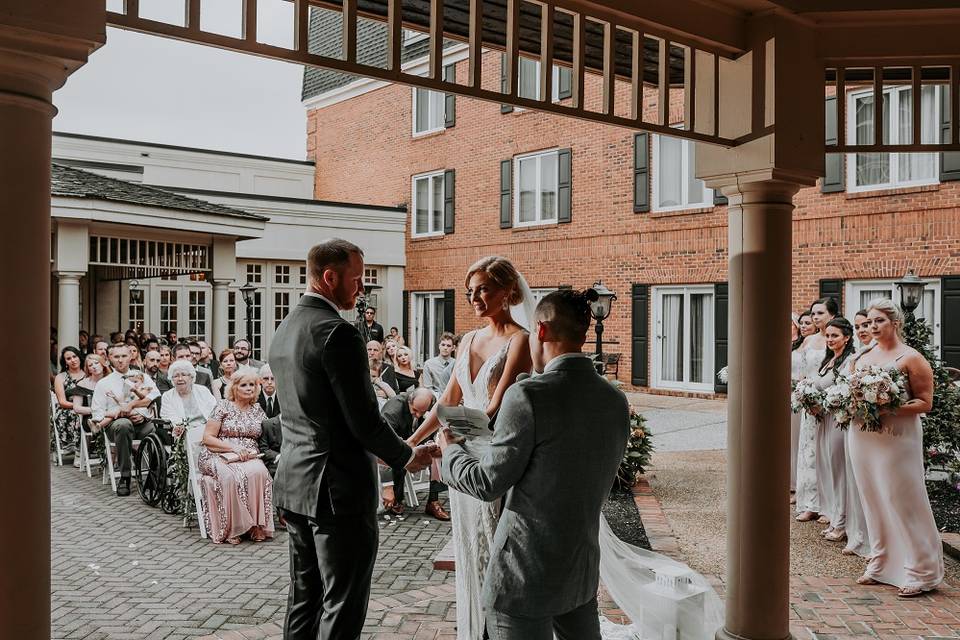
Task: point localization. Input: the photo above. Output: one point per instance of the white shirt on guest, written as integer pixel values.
(114, 383)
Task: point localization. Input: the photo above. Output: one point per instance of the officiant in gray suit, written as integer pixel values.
(561, 433)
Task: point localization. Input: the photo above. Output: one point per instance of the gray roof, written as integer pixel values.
(326, 38)
(76, 183)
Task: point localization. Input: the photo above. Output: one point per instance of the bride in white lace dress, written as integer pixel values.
(488, 362)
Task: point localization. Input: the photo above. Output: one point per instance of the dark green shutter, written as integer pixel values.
(506, 199)
(833, 179)
(449, 309)
(640, 335)
(405, 329)
(450, 99)
(833, 289)
(950, 320)
(504, 87)
(564, 83)
(564, 186)
(449, 189)
(949, 161)
(641, 172)
(721, 308)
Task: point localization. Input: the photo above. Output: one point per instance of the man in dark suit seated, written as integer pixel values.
(271, 437)
(269, 400)
(182, 351)
(402, 412)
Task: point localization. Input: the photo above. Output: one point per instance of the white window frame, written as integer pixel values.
(709, 338)
(554, 84)
(538, 222)
(420, 299)
(851, 297)
(687, 161)
(430, 233)
(539, 293)
(141, 306)
(894, 137)
(204, 305)
(440, 125)
(410, 36)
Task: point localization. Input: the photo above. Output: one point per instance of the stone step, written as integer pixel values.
(444, 561)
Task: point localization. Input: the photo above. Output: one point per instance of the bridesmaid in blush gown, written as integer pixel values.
(907, 551)
(858, 537)
(488, 362)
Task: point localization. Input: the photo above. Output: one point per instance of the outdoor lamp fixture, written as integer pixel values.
(600, 310)
(911, 292)
(247, 291)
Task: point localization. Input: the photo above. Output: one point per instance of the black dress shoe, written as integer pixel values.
(123, 487)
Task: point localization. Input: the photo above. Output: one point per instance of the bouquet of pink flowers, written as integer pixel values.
(873, 390)
(836, 400)
(806, 396)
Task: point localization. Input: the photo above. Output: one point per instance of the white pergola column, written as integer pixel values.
(68, 308)
(41, 43)
(219, 337)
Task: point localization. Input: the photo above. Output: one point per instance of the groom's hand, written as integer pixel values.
(422, 457)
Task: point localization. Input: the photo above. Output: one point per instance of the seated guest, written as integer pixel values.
(401, 412)
(406, 376)
(149, 342)
(135, 361)
(166, 357)
(84, 342)
(236, 486)
(271, 437)
(228, 366)
(242, 351)
(182, 351)
(94, 369)
(65, 387)
(394, 332)
(151, 364)
(382, 390)
(100, 348)
(186, 403)
(269, 400)
(375, 352)
(171, 337)
(207, 361)
(437, 370)
(118, 407)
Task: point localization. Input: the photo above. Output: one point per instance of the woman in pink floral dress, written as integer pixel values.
(236, 486)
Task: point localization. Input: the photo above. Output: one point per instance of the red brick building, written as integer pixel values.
(572, 202)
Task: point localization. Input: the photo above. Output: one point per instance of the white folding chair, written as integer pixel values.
(86, 462)
(58, 451)
(109, 450)
(194, 437)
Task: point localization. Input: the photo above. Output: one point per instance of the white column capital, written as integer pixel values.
(754, 163)
(219, 284)
(67, 276)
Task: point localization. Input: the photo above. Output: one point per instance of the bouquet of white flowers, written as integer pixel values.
(836, 400)
(874, 389)
(723, 375)
(806, 396)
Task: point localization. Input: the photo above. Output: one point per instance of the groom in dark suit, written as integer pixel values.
(560, 433)
(326, 483)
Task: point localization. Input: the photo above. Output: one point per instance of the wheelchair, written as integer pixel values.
(155, 483)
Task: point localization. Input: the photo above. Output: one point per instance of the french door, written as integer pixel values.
(428, 324)
(683, 337)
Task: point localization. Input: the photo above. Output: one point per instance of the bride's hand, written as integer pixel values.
(410, 441)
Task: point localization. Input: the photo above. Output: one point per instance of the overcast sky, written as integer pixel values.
(153, 89)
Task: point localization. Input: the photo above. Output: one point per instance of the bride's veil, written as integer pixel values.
(629, 573)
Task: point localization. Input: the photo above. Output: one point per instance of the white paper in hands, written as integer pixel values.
(472, 424)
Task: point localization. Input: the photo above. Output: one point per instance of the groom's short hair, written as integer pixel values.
(568, 313)
(330, 254)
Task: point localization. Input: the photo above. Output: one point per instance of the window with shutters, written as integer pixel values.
(428, 323)
(675, 187)
(858, 294)
(683, 349)
(427, 207)
(870, 171)
(529, 81)
(428, 111)
(535, 187)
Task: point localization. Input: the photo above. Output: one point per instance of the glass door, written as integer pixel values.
(428, 312)
(683, 340)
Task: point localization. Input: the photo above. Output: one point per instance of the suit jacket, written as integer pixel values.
(163, 382)
(204, 379)
(562, 433)
(396, 411)
(263, 404)
(389, 375)
(331, 419)
(271, 437)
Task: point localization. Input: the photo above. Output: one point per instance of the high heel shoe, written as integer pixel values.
(836, 535)
(807, 516)
(823, 520)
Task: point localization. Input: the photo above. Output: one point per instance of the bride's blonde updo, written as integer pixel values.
(502, 273)
(887, 307)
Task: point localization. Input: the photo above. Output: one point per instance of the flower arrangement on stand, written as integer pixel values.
(873, 391)
(637, 454)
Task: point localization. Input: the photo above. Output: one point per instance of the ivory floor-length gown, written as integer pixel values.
(808, 488)
(831, 462)
(473, 521)
(796, 362)
(888, 466)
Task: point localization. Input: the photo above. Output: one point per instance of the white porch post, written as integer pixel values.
(220, 335)
(41, 43)
(68, 311)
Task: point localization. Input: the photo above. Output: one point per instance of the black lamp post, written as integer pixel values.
(911, 292)
(600, 310)
(247, 291)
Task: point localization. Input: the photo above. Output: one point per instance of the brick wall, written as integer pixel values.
(364, 152)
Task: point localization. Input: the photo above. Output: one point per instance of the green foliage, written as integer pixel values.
(637, 454)
(941, 425)
(178, 470)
